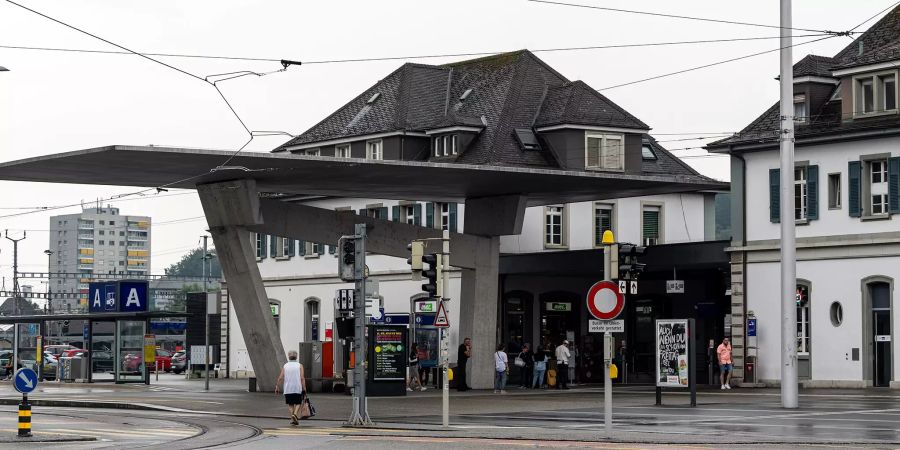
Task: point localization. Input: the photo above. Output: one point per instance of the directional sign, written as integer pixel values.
(633, 287)
(623, 287)
(604, 301)
(26, 380)
(441, 319)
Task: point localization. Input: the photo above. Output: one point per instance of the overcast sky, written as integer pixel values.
(52, 102)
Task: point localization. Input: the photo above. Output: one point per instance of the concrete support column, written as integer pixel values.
(478, 312)
(230, 207)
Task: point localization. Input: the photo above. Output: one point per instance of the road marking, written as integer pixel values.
(158, 432)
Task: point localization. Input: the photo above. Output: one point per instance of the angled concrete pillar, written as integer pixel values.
(230, 208)
(478, 307)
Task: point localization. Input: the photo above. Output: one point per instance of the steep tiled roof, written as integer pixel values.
(507, 93)
(577, 103)
(814, 65)
(665, 162)
(880, 43)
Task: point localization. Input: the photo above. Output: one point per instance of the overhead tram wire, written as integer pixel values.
(413, 57)
(701, 19)
(876, 15)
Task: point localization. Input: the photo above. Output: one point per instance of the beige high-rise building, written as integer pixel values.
(97, 241)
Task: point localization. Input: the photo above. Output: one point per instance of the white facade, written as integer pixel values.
(293, 282)
(838, 257)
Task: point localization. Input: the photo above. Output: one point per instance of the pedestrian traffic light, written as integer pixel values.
(416, 251)
(629, 267)
(433, 274)
(347, 258)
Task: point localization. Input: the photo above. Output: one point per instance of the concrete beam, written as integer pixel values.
(495, 216)
(384, 237)
(229, 207)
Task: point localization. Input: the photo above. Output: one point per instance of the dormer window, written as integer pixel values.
(446, 145)
(647, 153)
(801, 109)
(604, 151)
(875, 94)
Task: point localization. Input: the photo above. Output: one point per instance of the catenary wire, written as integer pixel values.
(874, 16)
(676, 16)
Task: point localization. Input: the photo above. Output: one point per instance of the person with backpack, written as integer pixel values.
(540, 367)
(501, 366)
(525, 362)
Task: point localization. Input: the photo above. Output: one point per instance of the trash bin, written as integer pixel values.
(78, 369)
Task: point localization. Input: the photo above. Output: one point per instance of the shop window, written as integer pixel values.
(515, 323)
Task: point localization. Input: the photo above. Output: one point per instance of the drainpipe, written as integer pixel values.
(743, 243)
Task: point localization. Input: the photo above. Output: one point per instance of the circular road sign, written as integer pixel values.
(604, 300)
(26, 380)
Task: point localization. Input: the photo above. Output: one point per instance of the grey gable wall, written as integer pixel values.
(567, 145)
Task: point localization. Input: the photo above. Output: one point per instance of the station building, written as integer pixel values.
(510, 109)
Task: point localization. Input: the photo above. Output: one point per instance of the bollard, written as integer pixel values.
(24, 417)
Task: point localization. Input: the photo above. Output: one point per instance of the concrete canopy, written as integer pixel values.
(316, 175)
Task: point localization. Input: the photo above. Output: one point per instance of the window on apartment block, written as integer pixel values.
(374, 150)
(604, 151)
(878, 187)
(875, 93)
(342, 151)
(801, 108)
(801, 194)
(554, 226)
(651, 217)
(603, 220)
(834, 191)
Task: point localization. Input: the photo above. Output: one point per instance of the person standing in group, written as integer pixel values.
(423, 371)
(725, 363)
(414, 369)
(462, 357)
(501, 367)
(540, 367)
(294, 385)
(527, 357)
(562, 365)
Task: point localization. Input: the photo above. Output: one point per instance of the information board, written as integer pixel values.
(389, 353)
(672, 357)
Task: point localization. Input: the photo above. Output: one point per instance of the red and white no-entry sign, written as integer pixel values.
(604, 300)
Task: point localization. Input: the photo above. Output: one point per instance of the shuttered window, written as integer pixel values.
(894, 185)
(260, 245)
(774, 195)
(554, 217)
(650, 232)
(604, 151)
(854, 188)
(603, 214)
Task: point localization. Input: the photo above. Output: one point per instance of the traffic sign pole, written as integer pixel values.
(445, 294)
(607, 383)
(25, 380)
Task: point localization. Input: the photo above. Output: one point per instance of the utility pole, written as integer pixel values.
(15, 242)
(445, 357)
(206, 300)
(360, 414)
(608, 241)
(789, 394)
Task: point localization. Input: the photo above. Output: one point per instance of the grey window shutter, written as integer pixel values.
(417, 214)
(263, 248)
(383, 212)
(774, 195)
(395, 213)
(894, 185)
(332, 249)
(453, 207)
(273, 246)
(291, 247)
(854, 188)
(301, 248)
(812, 192)
(429, 215)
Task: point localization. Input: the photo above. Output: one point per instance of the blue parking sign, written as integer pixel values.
(133, 296)
(26, 380)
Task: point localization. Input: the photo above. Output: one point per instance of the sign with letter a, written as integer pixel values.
(133, 296)
(102, 297)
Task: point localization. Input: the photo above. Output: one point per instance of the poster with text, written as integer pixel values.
(672, 337)
(390, 353)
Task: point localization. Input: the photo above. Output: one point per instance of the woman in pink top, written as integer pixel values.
(725, 362)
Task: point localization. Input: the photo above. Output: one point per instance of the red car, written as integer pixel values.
(132, 362)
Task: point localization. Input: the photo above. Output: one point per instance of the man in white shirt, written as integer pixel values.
(562, 365)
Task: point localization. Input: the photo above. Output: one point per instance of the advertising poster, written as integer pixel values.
(390, 353)
(672, 348)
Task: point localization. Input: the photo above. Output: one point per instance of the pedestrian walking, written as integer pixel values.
(526, 359)
(562, 365)
(725, 363)
(423, 371)
(414, 370)
(501, 366)
(540, 368)
(462, 357)
(294, 385)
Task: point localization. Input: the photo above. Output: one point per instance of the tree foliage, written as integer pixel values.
(191, 265)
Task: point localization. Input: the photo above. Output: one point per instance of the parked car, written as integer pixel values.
(179, 361)
(49, 363)
(131, 362)
(73, 352)
(57, 349)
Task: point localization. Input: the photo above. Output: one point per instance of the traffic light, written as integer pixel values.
(433, 274)
(416, 251)
(629, 267)
(347, 259)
